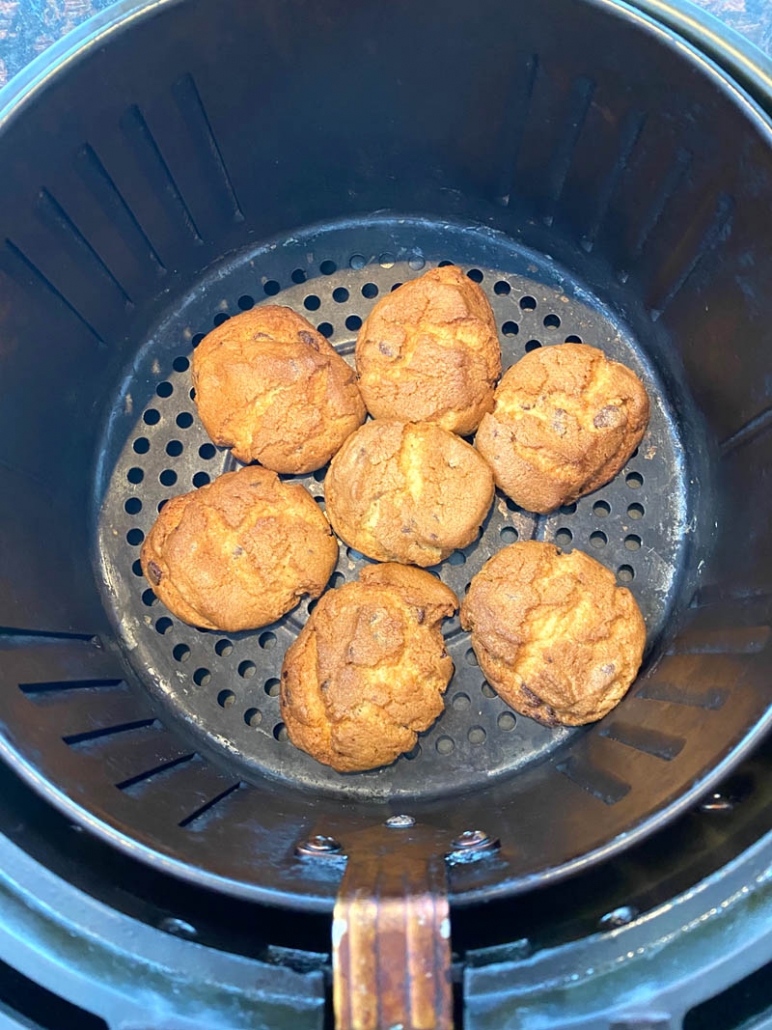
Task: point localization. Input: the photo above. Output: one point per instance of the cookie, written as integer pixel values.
(555, 636)
(565, 421)
(407, 492)
(271, 388)
(369, 668)
(429, 352)
(239, 553)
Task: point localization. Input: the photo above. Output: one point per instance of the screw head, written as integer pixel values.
(472, 839)
(319, 844)
(618, 917)
(400, 822)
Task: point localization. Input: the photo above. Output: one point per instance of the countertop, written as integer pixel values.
(28, 27)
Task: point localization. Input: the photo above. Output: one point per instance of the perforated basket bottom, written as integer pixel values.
(226, 687)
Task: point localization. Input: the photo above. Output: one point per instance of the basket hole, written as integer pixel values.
(475, 275)
(601, 509)
(567, 509)
(152, 417)
(201, 479)
(461, 702)
(280, 732)
(246, 302)
(149, 598)
(573, 338)
(416, 262)
(502, 288)
(386, 260)
(369, 290)
(253, 717)
(225, 698)
(271, 288)
(201, 677)
(133, 506)
(445, 264)
(336, 579)
(353, 322)
(319, 474)
(163, 625)
(412, 755)
(445, 745)
(528, 303)
(340, 295)
(312, 302)
(487, 690)
(563, 537)
(470, 657)
(168, 477)
(598, 539)
(625, 573)
(174, 448)
(326, 329)
(184, 420)
(395, 286)
(634, 480)
(457, 558)
(476, 735)
(552, 321)
(508, 534)
(635, 511)
(207, 451)
(136, 568)
(506, 721)
(162, 504)
(135, 537)
(223, 647)
(247, 669)
(164, 389)
(532, 345)
(328, 267)
(267, 640)
(181, 652)
(192, 393)
(195, 340)
(357, 261)
(632, 542)
(141, 445)
(220, 319)
(510, 329)
(298, 276)
(272, 687)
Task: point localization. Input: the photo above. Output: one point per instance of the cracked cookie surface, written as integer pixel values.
(369, 668)
(270, 387)
(429, 352)
(407, 492)
(239, 553)
(565, 421)
(555, 636)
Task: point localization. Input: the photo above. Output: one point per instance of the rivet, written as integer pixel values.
(473, 840)
(400, 822)
(319, 845)
(618, 917)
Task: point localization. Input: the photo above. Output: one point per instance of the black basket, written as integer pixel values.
(601, 180)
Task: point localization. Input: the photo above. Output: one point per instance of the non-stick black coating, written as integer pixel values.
(147, 174)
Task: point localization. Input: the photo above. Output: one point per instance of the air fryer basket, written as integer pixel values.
(600, 179)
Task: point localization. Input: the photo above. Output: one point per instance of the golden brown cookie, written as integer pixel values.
(271, 388)
(369, 668)
(239, 553)
(407, 492)
(565, 421)
(429, 352)
(554, 635)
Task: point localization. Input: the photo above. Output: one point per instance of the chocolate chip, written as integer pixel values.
(608, 669)
(308, 338)
(530, 697)
(324, 685)
(154, 573)
(607, 417)
(559, 421)
(237, 552)
(444, 654)
(384, 348)
(420, 615)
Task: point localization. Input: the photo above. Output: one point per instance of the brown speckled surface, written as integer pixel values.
(27, 27)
